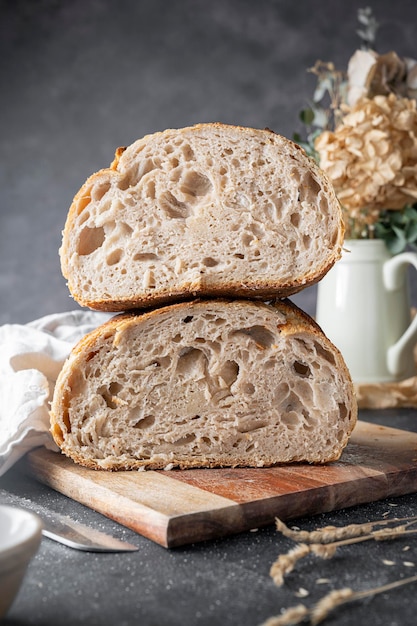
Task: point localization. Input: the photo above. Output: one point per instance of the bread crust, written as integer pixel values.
(252, 286)
(296, 323)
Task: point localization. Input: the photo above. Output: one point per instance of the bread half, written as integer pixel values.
(211, 383)
(210, 210)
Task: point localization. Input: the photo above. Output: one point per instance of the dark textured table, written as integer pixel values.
(77, 80)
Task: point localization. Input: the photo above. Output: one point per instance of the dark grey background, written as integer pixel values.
(79, 78)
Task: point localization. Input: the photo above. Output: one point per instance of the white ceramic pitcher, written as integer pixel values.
(363, 306)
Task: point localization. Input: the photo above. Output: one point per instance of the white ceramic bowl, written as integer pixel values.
(20, 536)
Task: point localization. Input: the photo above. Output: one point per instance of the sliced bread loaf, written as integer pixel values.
(204, 384)
(210, 210)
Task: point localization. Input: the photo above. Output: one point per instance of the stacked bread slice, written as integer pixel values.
(198, 235)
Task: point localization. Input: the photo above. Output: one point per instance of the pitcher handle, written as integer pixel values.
(394, 277)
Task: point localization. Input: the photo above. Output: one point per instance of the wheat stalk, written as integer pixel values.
(285, 563)
(329, 534)
(331, 601)
(325, 541)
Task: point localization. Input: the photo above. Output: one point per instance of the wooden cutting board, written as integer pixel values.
(181, 507)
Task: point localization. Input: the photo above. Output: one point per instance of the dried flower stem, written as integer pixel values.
(329, 602)
(324, 542)
(286, 562)
(293, 615)
(380, 535)
(329, 534)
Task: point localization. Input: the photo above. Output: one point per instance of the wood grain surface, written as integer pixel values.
(185, 506)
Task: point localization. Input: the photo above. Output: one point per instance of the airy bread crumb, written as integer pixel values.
(204, 384)
(209, 210)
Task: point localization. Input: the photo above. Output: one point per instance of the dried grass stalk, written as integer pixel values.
(330, 534)
(331, 601)
(285, 563)
(325, 541)
(293, 615)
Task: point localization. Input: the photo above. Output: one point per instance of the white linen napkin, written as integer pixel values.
(31, 357)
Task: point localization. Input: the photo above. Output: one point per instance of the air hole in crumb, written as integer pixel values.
(150, 190)
(295, 219)
(145, 422)
(99, 191)
(263, 337)
(191, 364)
(188, 319)
(115, 387)
(229, 372)
(145, 256)
(343, 410)
(109, 394)
(291, 420)
(196, 184)
(91, 355)
(82, 203)
(208, 261)
(247, 239)
(248, 388)
(325, 354)
(302, 369)
(90, 240)
(125, 229)
(341, 435)
(84, 217)
(172, 207)
(257, 229)
(188, 152)
(183, 441)
(309, 187)
(239, 256)
(114, 257)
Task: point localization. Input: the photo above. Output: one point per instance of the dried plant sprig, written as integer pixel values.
(328, 603)
(329, 534)
(327, 540)
(285, 563)
(293, 615)
(336, 598)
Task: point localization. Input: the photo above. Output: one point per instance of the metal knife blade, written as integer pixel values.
(81, 537)
(71, 533)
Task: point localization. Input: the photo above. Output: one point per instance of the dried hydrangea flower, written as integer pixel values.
(371, 74)
(371, 158)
